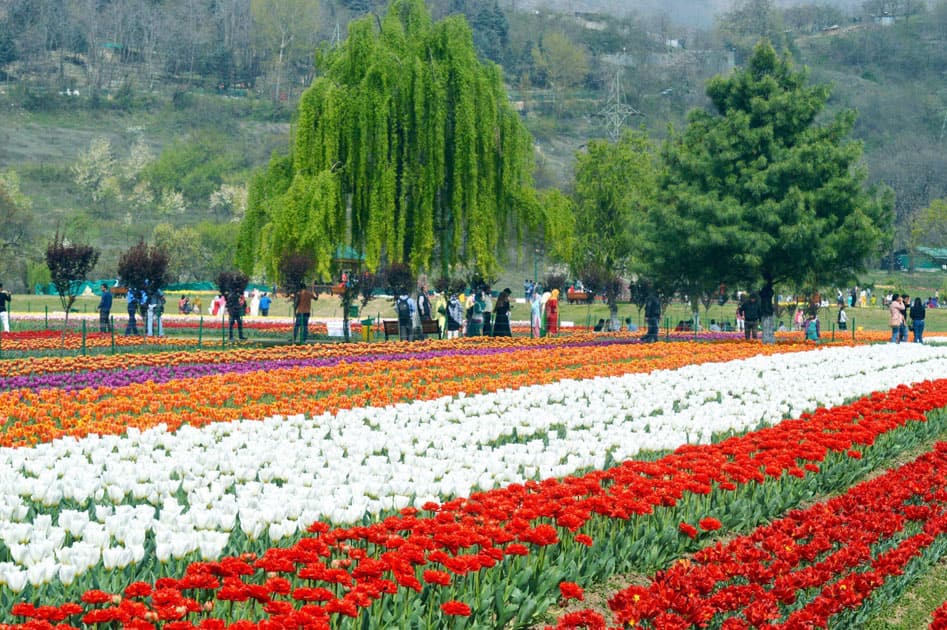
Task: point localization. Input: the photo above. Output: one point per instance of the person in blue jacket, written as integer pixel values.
(105, 310)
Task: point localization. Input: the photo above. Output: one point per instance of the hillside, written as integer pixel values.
(161, 145)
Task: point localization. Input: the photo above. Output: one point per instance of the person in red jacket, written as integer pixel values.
(552, 313)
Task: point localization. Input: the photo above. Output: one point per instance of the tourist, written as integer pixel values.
(552, 313)
(501, 314)
(918, 313)
(105, 310)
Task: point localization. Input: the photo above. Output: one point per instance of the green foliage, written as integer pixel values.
(406, 149)
(930, 227)
(196, 167)
(749, 22)
(200, 251)
(759, 191)
(616, 184)
(37, 274)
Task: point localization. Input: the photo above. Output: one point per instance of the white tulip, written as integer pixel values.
(15, 580)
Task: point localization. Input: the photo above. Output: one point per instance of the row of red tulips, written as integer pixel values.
(803, 569)
(505, 553)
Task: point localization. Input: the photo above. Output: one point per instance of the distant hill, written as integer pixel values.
(689, 13)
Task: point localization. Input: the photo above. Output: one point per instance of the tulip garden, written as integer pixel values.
(473, 483)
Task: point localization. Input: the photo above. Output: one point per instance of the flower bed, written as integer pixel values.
(35, 340)
(174, 477)
(513, 547)
(267, 389)
(812, 566)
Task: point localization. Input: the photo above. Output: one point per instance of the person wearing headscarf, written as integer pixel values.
(475, 323)
(552, 313)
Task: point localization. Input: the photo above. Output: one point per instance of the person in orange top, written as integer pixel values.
(303, 306)
(552, 313)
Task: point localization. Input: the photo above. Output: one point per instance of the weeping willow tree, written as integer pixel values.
(406, 149)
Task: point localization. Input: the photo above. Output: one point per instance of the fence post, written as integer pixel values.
(200, 332)
(83, 337)
(46, 317)
(853, 329)
(112, 330)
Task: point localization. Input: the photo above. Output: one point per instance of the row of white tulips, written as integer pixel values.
(195, 489)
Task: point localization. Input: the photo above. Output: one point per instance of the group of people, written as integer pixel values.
(900, 312)
(186, 307)
(255, 302)
(457, 315)
(544, 311)
(139, 302)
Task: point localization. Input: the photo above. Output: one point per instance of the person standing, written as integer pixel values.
(812, 328)
(918, 313)
(903, 330)
(158, 308)
(455, 317)
(255, 303)
(535, 314)
(652, 315)
(131, 300)
(105, 310)
(468, 315)
(424, 305)
(5, 299)
(440, 310)
(143, 310)
(403, 311)
(842, 317)
(751, 316)
(552, 313)
(475, 326)
(896, 310)
(415, 319)
(265, 302)
(236, 308)
(487, 312)
(501, 314)
(302, 306)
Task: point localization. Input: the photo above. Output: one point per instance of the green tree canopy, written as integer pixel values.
(758, 191)
(615, 184)
(406, 149)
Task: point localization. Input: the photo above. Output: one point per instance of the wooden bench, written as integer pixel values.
(579, 297)
(393, 329)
